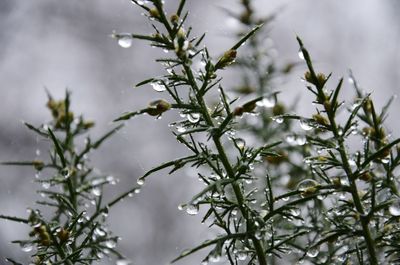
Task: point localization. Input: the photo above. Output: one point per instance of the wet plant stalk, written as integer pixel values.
(343, 155)
(230, 173)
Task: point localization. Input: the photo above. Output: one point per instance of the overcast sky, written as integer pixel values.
(66, 44)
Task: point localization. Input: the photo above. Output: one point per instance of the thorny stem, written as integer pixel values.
(216, 138)
(229, 170)
(344, 157)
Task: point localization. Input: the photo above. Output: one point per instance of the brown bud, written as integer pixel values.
(174, 19)
(63, 235)
(40, 229)
(245, 90)
(278, 109)
(309, 191)
(245, 17)
(276, 160)
(154, 13)
(227, 59)
(238, 111)
(158, 107)
(368, 105)
(327, 105)
(366, 176)
(319, 81)
(320, 119)
(308, 77)
(288, 68)
(45, 239)
(88, 124)
(336, 181)
(321, 78)
(38, 164)
(368, 131)
(249, 106)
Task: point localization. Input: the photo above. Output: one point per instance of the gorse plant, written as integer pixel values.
(327, 194)
(72, 229)
(344, 208)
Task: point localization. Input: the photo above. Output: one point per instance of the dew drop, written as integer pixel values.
(192, 209)
(301, 55)
(241, 255)
(278, 119)
(313, 252)
(295, 211)
(96, 191)
(158, 86)
(394, 208)
(45, 185)
(193, 117)
(123, 262)
(241, 143)
(290, 139)
(66, 172)
(26, 247)
(140, 182)
(385, 160)
(110, 244)
(215, 258)
(137, 191)
(270, 101)
(181, 129)
(125, 40)
(301, 140)
(305, 124)
(307, 187)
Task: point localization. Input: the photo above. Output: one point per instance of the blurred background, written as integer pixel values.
(66, 44)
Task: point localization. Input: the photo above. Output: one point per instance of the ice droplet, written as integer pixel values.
(125, 40)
